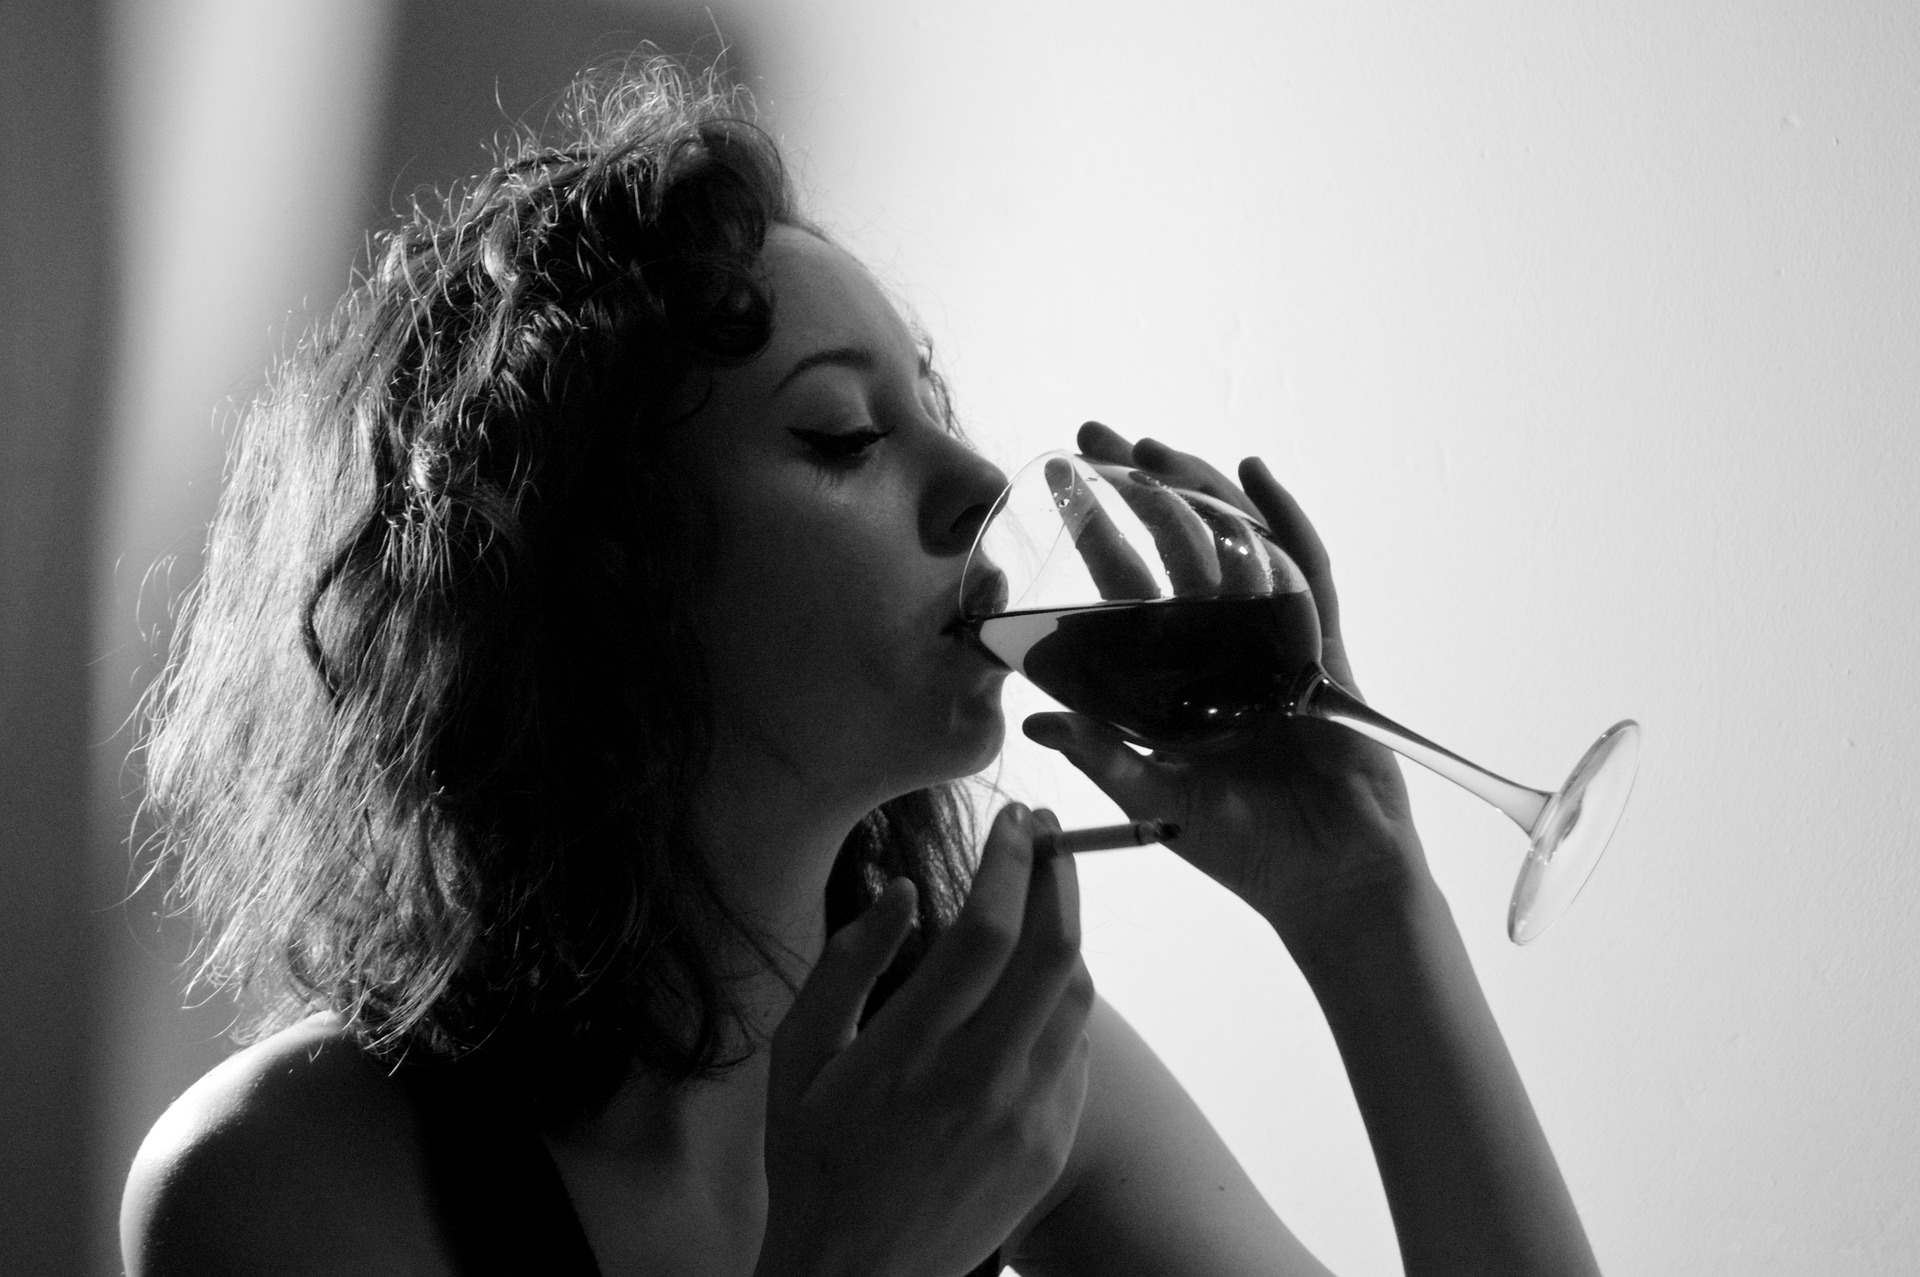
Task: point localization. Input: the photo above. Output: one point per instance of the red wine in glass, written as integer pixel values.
(1178, 619)
(1174, 674)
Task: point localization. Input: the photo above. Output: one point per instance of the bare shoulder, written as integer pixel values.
(296, 1155)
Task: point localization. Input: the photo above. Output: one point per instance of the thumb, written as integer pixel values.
(825, 1016)
(1136, 783)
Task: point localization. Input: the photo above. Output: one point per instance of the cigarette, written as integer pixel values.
(1107, 837)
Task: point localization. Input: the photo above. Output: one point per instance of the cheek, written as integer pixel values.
(823, 633)
(801, 578)
(810, 601)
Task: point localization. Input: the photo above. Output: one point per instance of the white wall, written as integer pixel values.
(1590, 335)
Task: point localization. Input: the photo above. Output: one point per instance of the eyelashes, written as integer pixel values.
(840, 445)
(847, 448)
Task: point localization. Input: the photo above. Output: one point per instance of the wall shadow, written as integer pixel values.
(454, 75)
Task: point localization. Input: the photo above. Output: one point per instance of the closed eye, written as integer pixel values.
(840, 445)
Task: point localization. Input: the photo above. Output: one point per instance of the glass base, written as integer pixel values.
(1572, 831)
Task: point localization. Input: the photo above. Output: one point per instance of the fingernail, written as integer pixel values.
(1046, 730)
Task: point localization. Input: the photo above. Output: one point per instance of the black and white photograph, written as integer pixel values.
(878, 638)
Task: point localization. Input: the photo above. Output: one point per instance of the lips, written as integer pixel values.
(985, 592)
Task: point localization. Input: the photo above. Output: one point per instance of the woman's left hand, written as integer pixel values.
(1305, 821)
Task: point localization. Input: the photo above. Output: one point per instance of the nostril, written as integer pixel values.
(972, 519)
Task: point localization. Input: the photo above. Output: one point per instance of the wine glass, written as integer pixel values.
(1177, 618)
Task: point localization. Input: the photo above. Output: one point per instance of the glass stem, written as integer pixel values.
(1324, 698)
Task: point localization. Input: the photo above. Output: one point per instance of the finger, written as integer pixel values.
(1185, 542)
(1139, 785)
(1117, 571)
(965, 963)
(1057, 1071)
(1104, 443)
(1024, 1000)
(1064, 1039)
(1244, 568)
(1184, 470)
(1296, 535)
(1288, 522)
(825, 1016)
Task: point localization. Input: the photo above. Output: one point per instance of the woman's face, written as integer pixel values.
(844, 511)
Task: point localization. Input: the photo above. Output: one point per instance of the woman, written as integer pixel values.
(559, 751)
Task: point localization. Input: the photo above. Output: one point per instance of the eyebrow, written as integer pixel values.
(855, 357)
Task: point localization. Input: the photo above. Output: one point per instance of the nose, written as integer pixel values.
(961, 494)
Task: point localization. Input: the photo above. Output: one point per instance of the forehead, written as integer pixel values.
(823, 298)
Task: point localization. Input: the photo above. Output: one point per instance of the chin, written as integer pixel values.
(976, 729)
(944, 738)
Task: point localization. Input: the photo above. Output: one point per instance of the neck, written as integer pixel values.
(773, 832)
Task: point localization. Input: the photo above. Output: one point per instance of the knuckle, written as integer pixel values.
(1058, 947)
(1080, 1059)
(992, 1098)
(1035, 1127)
(1069, 1020)
(1045, 1134)
(1080, 992)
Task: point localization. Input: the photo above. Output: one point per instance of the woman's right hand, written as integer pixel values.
(914, 1146)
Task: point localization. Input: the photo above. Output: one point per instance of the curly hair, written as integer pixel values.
(424, 750)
